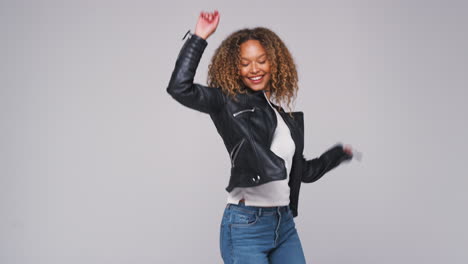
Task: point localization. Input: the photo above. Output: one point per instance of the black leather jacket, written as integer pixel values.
(247, 127)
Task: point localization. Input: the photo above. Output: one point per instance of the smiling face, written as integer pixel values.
(254, 67)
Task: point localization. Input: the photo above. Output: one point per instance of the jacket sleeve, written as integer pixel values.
(314, 169)
(181, 87)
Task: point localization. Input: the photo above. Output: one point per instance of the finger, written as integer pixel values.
(348, 149)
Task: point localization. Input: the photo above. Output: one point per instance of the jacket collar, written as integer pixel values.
(252, 92)
(260, 93)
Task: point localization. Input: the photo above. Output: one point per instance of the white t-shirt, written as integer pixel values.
(274, 193)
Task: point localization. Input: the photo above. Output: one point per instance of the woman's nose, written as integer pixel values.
(254, 68)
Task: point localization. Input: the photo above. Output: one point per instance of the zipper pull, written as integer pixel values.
(188, 32)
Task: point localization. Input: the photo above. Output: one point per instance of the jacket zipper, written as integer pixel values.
(236, 148)
(242, 111)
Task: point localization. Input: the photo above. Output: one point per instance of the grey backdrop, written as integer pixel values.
(99, 164)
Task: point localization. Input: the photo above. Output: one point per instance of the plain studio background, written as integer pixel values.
(99, 164)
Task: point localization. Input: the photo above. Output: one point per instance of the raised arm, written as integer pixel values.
(314, 169)
(181, 86)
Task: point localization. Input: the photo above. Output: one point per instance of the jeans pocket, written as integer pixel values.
(243, 219)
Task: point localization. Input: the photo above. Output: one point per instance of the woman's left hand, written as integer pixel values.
(352, 152)
(348, 149)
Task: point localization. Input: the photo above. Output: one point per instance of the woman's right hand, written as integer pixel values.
(207, 24)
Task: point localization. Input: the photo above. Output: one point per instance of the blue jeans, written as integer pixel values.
(251, 234)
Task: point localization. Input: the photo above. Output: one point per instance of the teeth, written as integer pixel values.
(256, 78)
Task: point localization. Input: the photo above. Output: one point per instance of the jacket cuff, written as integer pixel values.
(190, 54)
(335, 155)
(195, 41)
(199, 40)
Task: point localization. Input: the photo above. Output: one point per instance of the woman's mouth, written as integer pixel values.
(256, 79)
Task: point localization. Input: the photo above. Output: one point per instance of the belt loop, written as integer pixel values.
(260, 212)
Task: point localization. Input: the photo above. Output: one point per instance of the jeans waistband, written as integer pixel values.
(258, 209)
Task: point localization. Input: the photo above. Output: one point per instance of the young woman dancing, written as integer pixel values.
(265, 143)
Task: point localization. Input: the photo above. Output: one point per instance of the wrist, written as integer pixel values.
(203, 36)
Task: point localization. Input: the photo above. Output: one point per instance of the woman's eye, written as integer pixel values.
(261, 62)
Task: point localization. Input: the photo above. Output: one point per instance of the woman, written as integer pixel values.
(265, 143)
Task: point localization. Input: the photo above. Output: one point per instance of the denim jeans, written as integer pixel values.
(251, 234)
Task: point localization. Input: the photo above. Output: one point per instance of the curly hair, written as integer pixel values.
(223, 70)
